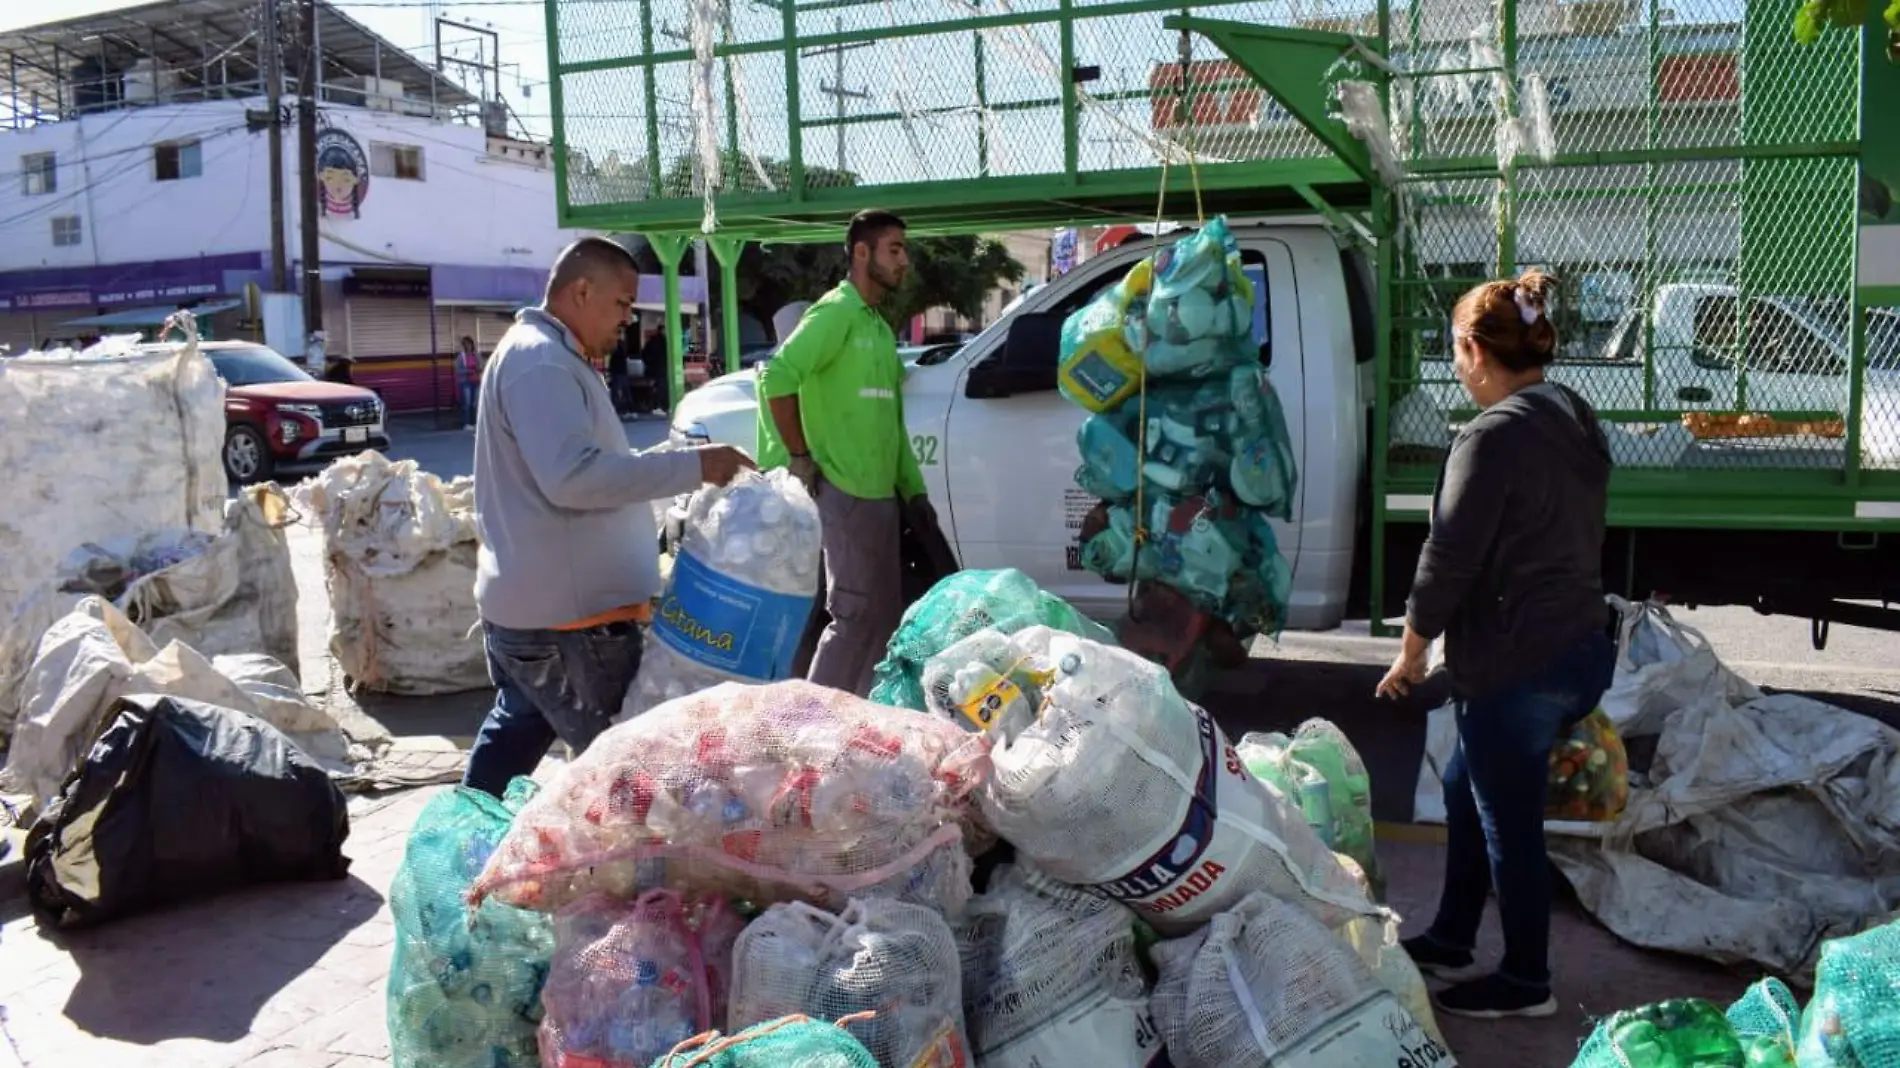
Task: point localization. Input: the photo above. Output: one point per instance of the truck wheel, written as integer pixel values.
(246, 458)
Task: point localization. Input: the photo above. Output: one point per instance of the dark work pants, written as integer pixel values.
(549, 684)
(1494, 805)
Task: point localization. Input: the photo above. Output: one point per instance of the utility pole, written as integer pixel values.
(837, 88)
(274, 91)
(309, 83)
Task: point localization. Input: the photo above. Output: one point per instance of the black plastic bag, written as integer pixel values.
(180, 800)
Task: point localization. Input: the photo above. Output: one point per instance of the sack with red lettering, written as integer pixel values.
(1125, 788)
(1266, 986)
(1050, 976)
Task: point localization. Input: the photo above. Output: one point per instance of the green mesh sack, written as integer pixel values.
(464, 991)
(1766, 1018)
(1319, 771)
(787, 1042)
(959, 606)
(1680, 1033)
(1854, 1019)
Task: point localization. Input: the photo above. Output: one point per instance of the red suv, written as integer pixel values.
(279, 417)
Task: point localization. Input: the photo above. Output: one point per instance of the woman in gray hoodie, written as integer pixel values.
(1511, 578)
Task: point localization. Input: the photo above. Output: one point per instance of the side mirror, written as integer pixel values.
(1027, 361)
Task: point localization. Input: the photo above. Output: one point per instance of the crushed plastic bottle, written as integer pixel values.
(740, 594)
(1679, 1033)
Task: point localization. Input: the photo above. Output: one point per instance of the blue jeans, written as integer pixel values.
(1494, 805)
(470, 393)
(549, 684)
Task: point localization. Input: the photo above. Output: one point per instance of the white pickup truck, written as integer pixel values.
(997, 442)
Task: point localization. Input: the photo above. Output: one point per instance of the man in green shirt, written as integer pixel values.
(834, 414)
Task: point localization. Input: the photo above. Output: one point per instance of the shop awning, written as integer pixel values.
(133, 318)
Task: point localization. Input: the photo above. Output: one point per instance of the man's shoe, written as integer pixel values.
(1435, 960)
(1494, 997)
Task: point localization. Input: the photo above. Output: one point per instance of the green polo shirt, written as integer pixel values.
(842, 364)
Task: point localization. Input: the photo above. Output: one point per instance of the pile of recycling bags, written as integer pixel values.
(1851, 1022)
(1187, 445)
(1054, 855)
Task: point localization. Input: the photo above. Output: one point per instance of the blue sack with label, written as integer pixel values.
(740, 593)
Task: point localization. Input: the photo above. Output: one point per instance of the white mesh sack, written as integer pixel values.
(630, 981)
(1124, 787)
(1050, 976)
(1266, 986)
(1377, 944)
(895, 960)
(991, 680)
(740, 592)
(780, 792)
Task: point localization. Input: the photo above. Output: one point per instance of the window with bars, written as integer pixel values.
(67, 231)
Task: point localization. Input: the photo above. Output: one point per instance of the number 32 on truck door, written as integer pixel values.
(925, 446)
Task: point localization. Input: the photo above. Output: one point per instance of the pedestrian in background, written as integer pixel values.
(468, 379)
(834, 414)
(1511, 578)
(569, 559)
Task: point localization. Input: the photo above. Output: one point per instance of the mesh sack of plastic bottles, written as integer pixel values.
(1767, 1020)
(761, 793)
(1111, 458)
(1050, 976)
(894, 960)
(1853, 1020)
(1589, 772)
(1124, 787)
(1102, 341)
(787, 1042)
(991, 680)
(740, 592)
(630, 981)
(464, 988)
(1228, 433)
(1200, 314)
(1264, 984)
(958, 606)
(1224, 558)
(1320, 771)
(1679, 1033)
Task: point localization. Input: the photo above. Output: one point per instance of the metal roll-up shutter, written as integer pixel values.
(388, 326)
(17, 331)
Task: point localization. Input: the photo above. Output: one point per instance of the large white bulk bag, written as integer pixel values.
(399, 560)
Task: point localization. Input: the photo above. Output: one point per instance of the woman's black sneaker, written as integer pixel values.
(1435, 960)
(1494, 997)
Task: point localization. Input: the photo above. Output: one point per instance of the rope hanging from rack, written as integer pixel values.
(1184, 114)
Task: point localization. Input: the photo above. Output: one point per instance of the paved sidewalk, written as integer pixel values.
(286, 976)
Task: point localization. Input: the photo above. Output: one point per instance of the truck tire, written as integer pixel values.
(247, 458)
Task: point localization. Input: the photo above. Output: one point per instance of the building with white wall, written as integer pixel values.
(134, 178)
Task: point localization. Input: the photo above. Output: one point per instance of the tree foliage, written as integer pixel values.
(1813, 18)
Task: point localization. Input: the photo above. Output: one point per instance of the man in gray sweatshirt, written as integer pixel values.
(569, 559)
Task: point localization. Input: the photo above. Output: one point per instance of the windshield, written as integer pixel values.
(254, 365)
(1828, 317)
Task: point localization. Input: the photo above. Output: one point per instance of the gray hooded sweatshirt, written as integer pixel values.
(562, 504)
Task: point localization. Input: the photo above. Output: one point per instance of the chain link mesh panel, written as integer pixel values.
(1699, 214)
(899, 92)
